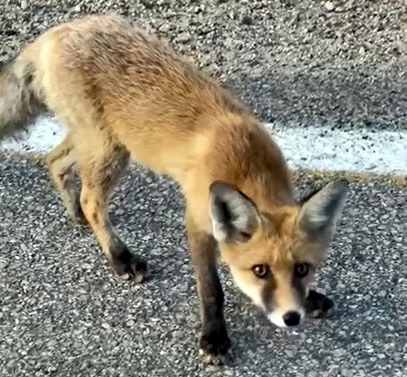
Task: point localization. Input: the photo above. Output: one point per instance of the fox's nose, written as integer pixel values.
(291, 318)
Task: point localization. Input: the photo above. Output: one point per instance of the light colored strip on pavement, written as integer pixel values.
(319, 148)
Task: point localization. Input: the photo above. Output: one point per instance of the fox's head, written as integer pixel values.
(273, 255)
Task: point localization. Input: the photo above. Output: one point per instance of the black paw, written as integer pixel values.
(214, 346)
(318, 305)
(129, 267)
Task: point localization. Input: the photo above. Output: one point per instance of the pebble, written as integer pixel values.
(184, 37)
(247, 20)
(329, 6)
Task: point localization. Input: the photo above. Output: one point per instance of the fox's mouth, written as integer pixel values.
(282, 318)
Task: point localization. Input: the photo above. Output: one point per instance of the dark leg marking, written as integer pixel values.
(214, 342)
(61, 162)
(70, 194)
(95, 218)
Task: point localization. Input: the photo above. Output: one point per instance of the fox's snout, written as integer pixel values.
(292, 318)
(289, 318)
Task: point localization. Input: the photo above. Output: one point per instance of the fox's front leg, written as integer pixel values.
(318, 305)
(214, 340)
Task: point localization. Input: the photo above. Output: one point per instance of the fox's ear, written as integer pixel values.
(321, 211)
(233, 215)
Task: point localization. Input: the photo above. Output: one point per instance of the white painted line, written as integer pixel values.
(355, 150)
(39, 138)
(320, 148)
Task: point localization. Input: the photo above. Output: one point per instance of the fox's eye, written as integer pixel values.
(301, 269)
(260, 270)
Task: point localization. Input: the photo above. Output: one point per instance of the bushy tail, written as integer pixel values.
(19, 102)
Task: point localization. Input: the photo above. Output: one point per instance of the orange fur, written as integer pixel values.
(124, 94)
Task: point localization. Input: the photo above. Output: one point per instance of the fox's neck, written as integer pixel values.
(243, 153)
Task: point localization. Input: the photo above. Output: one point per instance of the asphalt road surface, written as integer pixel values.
(339, 63)
(63, 312)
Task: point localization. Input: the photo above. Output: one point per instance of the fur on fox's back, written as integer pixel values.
(101, 73)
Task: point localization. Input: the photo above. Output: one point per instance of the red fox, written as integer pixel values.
(124, 94)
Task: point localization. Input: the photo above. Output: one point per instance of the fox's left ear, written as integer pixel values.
(320, 213)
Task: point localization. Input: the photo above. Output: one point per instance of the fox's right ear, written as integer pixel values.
(234, 216)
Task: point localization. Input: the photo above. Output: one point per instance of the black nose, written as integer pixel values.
(291, 318)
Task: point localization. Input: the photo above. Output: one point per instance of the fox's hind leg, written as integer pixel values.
(61, 163)
(100, 169)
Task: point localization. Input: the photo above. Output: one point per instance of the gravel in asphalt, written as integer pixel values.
(340, 63)
(63, 312)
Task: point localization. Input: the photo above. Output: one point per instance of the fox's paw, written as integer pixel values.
(76, 214)
(214, 346)
(129, 266)
(318, 305)
(79, 218)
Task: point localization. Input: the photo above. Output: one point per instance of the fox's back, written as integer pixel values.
(122, 64)
(102, 73)
(116, 56)
(136, 83)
